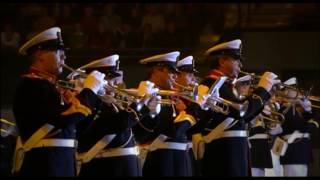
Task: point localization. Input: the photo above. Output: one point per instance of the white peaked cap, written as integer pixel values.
(291, 81)
(185, 61)
(168, 57)
(108, 61)
(49, 34)
(244, 78)
(235, 44)
(103, 62)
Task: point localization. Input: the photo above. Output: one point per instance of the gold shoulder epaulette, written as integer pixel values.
(183, 116)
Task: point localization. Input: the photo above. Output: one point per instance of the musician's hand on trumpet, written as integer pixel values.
(267, 110)
(202, 97)
(95, 81)
(305, 104)
(154, 105)
(268, 80)
(146, 89)
(145, 92)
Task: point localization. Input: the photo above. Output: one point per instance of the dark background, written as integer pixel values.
(279, 37)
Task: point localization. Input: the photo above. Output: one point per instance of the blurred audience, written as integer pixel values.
(10, 38)
(114, 26)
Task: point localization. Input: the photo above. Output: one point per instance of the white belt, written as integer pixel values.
(298, 135)
(218, 131)
(56, 143)
(234, 133)
(95, 149)
(118, 152)
(189, 145)
(259, 136)
(173, 145)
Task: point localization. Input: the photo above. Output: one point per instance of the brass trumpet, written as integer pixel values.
(70, 85)
(131, 95)
(81, 73)
(270, 122)
(300, 94)
(217, 104)
(134, 92)
(277, 118)
(278, 85)
(186, 88)
(295, 100)
(221, 105)
(314, 98)
(120, 94)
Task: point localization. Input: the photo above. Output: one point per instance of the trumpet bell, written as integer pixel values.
(314, 98)
(221, 105)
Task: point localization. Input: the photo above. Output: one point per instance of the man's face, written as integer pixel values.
(165, 78)
(244, 89)
(186, 78)
(52, 60)
(230, 66)
(112, 81)
(291, 93)
(119, 80)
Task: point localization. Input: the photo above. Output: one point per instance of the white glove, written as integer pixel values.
(276, 130)
(203, 101)
(267, 81)
(95, 81)
(266, 109)
(202, 96)
(202, 90)
(146, 88)
(306, 104)
(154, 105)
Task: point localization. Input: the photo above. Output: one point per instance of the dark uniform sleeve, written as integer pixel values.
(37, 102)
(202, 117)
(87, 98)
(127, 118)
(32, 101)
(295, 120)
(181, 129)
(149, 128)
(256, 103)
(144, 129)
(313, 120)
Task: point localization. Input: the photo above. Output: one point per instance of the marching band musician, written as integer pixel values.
(259, 132)
(225, 135)
(46, 114)
(186, 79)
(107, 146)
(166, 138)
(296, 151)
